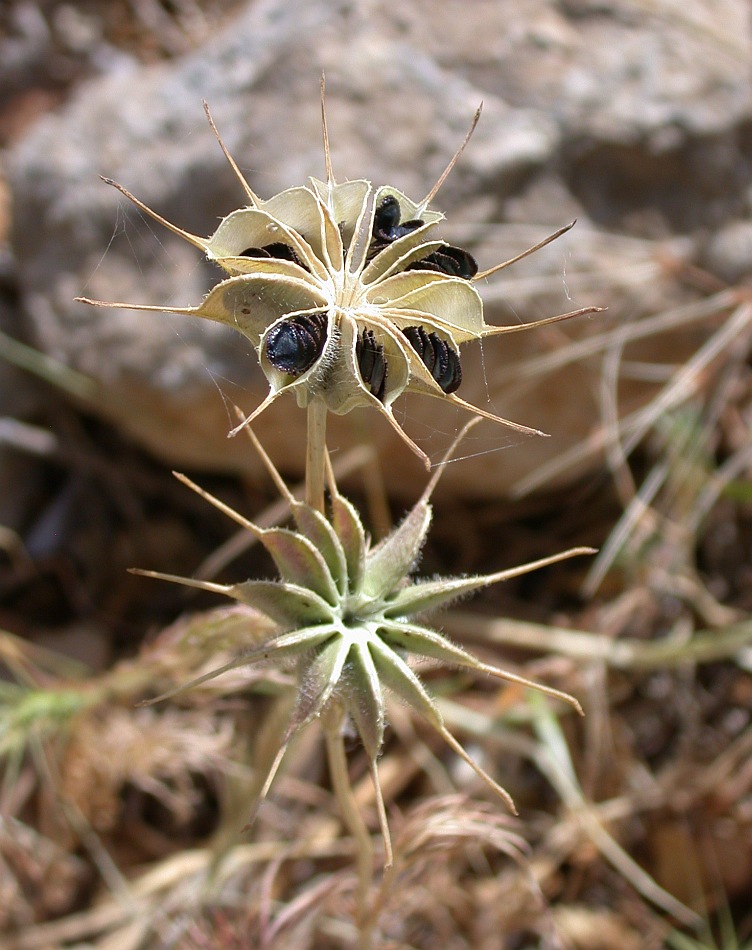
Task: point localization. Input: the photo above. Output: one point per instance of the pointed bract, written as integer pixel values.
(393, 559)
(349, 530)
(364, 698)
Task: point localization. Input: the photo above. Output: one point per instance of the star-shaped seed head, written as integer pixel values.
(347, 293)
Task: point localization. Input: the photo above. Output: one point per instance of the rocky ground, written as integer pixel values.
(633, 118)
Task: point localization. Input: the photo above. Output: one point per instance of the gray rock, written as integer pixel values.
(628, 120)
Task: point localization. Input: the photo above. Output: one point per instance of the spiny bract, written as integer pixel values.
(345, 612)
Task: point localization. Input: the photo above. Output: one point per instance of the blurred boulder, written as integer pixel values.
(630, 119)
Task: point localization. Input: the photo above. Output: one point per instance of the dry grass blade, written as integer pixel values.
(685, 383)
(705, 646)
(553, 756)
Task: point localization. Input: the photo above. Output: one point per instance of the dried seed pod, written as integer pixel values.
(346, 294)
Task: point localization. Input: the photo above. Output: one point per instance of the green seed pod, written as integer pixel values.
(352, 616)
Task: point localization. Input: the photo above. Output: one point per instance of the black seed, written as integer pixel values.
(293, 346)
(422, 345)
(378, 374)
(448, 260)
(387, 227)
(254, 252)
(456, 367)
(365, 351)
(371, 363)
(279, 251)
(440, 358)
(387, 216)
(441, 361)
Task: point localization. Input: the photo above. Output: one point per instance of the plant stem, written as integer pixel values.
(315, 454)
(332, 722)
